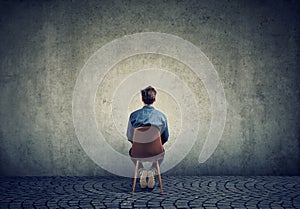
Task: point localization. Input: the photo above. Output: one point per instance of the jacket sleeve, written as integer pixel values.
(165, 133)
(130, 131)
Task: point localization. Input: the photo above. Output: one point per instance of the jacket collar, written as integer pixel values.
(148, 107)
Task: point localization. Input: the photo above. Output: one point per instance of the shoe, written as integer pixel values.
(151, 179)
(143, 179)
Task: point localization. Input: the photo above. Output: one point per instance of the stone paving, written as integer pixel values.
(179, 192)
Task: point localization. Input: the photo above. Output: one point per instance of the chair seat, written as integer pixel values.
(149, 159)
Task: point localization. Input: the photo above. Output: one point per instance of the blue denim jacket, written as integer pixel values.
(148, 115)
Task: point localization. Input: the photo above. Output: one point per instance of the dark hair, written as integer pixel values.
(148, 95)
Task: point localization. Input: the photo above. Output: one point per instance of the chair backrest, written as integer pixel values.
(147, 145)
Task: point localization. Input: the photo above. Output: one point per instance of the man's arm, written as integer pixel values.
(130, 131)
(165, 133)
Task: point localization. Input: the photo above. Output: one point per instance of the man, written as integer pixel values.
(146, 116)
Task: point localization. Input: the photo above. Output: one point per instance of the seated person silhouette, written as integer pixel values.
(147, 116)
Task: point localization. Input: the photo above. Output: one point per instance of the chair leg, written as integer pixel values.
(159, 176)
(135, 175)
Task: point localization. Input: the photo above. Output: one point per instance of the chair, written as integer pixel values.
(147, 147)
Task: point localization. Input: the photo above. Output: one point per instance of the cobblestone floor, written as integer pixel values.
(179, 192)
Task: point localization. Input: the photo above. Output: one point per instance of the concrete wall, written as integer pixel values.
(254, 46)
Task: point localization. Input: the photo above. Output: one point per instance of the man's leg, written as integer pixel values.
(153, 166)
(143, 173)
(152, 172)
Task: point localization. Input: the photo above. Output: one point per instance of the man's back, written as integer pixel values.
(146, 116)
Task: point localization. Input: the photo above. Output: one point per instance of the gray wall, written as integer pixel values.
(254, 46)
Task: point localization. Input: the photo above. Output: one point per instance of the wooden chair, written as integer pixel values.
(147, 147)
